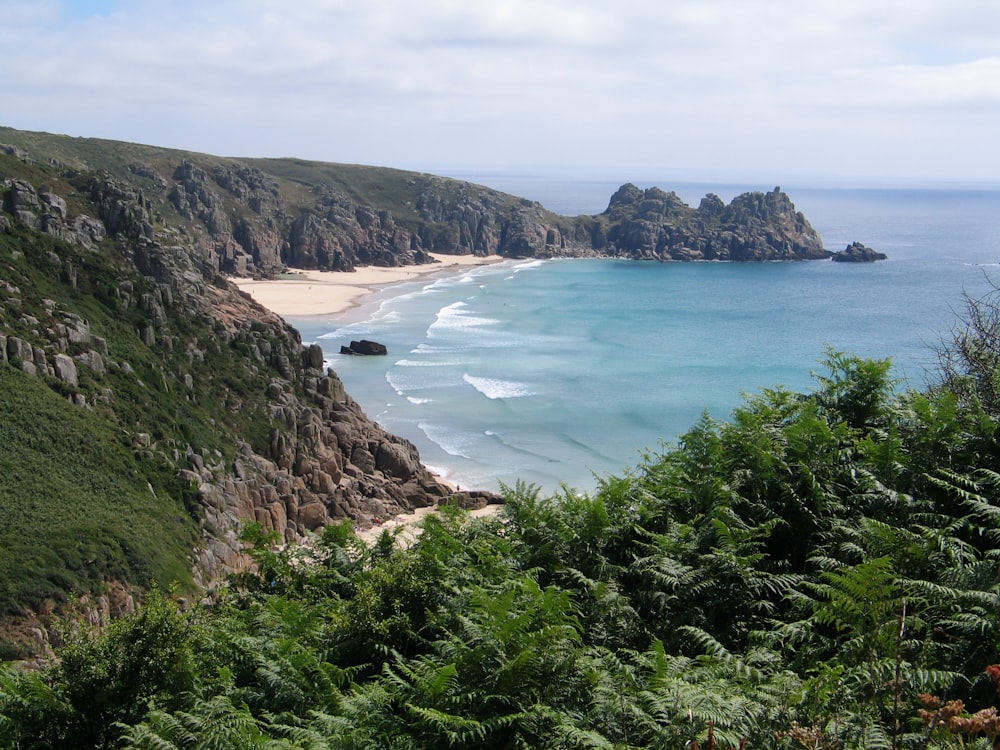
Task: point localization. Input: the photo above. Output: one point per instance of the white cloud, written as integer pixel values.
(742, 84)
(974, 83)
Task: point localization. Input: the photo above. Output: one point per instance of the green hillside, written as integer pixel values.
(89, 495)
(80, 507)
(150, 408)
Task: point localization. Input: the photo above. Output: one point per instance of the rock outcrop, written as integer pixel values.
(473, 220)
(656, 225)
(45, 211)
(858, 253)
(317, 458)
(365, 347)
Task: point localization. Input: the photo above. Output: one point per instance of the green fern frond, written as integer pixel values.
(160, 731)
(459, 730)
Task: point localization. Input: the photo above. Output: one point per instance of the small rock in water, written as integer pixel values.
(364, 347)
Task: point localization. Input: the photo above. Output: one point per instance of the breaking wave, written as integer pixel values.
(493, 388)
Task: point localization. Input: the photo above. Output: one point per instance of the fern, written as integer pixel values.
(214, 723)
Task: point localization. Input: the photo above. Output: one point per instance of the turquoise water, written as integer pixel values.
(554, 371)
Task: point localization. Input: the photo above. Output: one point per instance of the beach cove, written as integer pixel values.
(306, 293)
(564, 371)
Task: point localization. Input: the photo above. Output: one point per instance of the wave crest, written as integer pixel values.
(494, 388)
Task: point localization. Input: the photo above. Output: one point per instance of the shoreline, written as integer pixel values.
(320, 293)
(329, 293)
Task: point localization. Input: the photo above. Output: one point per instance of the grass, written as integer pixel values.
(79, 506)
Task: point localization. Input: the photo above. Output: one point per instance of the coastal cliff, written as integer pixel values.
(259, 217)
(151, 409)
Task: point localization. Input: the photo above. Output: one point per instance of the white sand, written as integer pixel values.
(331, 292)
(408, 526)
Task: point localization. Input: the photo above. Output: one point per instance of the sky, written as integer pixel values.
(720, 89)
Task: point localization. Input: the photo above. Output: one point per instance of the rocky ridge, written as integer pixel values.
(657, 225)
(260, 217)
(313, 456)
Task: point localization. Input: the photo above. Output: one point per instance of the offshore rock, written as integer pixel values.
(858, 253)
(371, 348)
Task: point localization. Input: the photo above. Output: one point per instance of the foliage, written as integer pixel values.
(79, 507)
(969, 359)
(102, 681)
(809, 573)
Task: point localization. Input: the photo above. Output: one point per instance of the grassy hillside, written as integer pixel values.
(92, 494)
(80, 505)
(382, 188)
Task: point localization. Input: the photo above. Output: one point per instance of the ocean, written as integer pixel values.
(560, 372)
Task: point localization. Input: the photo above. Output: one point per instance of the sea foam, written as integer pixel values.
(494, 388)
(452, 442)
(456, 317)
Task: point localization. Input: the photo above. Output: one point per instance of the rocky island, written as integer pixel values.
(856, 252)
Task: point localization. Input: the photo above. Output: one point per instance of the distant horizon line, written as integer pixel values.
(666, 176)
(662, 176)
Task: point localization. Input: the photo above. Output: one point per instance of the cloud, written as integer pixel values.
(723, 83)
(974, 83)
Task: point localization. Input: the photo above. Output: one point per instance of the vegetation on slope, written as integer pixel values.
(292, 211)
(818, 571)
(92, 495)
(185, 391)
(80, 507)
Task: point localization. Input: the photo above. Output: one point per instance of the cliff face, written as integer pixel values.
(262, 216)
(224, 414)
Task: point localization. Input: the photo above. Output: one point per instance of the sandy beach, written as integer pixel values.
(331, 292)
(407, 525)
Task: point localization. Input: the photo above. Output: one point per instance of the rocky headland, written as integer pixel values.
(114, 296)
(259, 217)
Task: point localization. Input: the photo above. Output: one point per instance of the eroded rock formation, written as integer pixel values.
(323, 459)
(657, 225)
